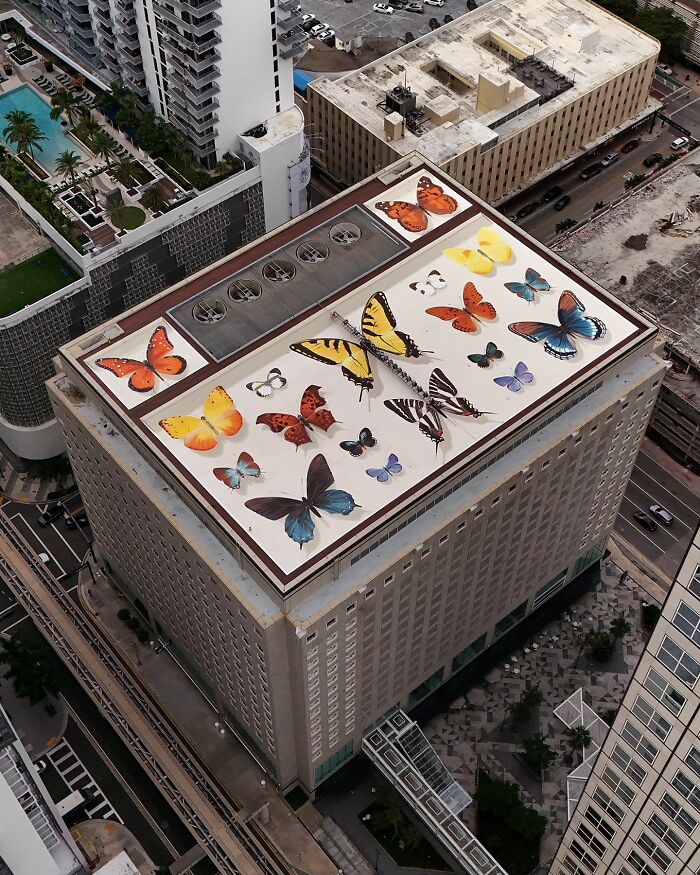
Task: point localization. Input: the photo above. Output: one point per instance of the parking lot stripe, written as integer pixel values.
(53, 526)
(43, 548)
(665, 489)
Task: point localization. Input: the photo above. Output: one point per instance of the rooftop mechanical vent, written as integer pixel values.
(209, 310)
(312, 253)
(345, 233)
(279, 271)
(244, 291)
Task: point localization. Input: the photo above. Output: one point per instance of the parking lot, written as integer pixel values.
(358, 19)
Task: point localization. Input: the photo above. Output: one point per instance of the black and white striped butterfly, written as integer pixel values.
(263, 388)
(434, 283)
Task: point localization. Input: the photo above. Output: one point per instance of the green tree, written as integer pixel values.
(153, 199)
(666, 27)
(88, 127)
(64, 102)
(650, 616)
(600, 645)
(124, 171)
(537, 753)
(579, 738)
(23, 131)
(620, 627)
(67, 164)
(626, 9)
(102, 145)
(388, 814)
(30, 669)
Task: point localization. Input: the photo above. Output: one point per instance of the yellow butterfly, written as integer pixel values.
(350, 356)
(491, 250)
(200, 433)
(379, 328)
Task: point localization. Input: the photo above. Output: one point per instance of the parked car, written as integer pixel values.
(525, 211)
(679, 143)
(609, 159)
(408, 36)
(664, 68)
(645, 520)
(384, 8)
(397, 4)
(43, 557)
(660, 512)
(652, 159)
(316, 29)
(551, 194)
(630, 147)
(415, 7)
(40, 765)
(434, 2)
(434, 24)
(327, 36)
(330, 39)
(82, 519)
(591, 170)
(448, 18)
(70, 522)
(50, 515)
(563, 201)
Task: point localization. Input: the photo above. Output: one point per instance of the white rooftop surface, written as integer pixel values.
(575, 37)
(119, 865)
(20, 845)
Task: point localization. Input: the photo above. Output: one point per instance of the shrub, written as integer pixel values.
(133, 624)
(124, 614)
(143, 635)
(537, 753)
(650, 616)
(600, 645)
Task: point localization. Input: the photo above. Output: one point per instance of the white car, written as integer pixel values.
(679, 143)
(325, 34)
(664, 68)
(383, 8)
(307, 16)
(660, 512)
(316, 29)
(434, 2)
(609, 159)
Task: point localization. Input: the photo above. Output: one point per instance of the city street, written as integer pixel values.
(651, 483)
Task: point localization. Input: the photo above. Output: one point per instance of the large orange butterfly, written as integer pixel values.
(466, 318)
(201, 432)
(310, 417)
(414, 217)
(158, 363)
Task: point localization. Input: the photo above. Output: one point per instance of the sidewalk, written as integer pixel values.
(107, 838)
(223, 755)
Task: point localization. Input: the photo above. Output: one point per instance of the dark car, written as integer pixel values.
(309, 23)
(397, 4)
(414, 7)
(630, 147)
(645, 520)
(551, 194)
(562, 202)
(71, 523)
(51, 514)
(447, 19)
(652, 159)
(434, 24)
(525, 211)
(408, 36)
(591, 170)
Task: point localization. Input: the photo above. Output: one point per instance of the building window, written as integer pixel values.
(679, 815)
(424, 689)
(667, 835)
(593, 843)
(640, 864)
(687, 621)
(629, 766)
(333, 762)
(607, 804)
(656, 855)
(638, 742)
(677, 660)
(664, 692)
(507, 622)
(687, 789)
(618, 786)
(469, 653)
(600, 823)
(692, 758)
(547, 591)
(694, 585)
(582, 854)
(643, 711)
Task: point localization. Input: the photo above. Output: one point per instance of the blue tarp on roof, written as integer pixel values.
(301, 80)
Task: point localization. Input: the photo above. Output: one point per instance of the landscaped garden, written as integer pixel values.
(127, 217)
(33, 280)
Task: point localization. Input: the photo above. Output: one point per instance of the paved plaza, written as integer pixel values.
(477, 733)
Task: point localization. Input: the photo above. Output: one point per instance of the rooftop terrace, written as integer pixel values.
(264, 371)
(491, 51)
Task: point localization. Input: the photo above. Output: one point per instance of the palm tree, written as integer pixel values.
(67, 163)
(88, 127)
(64, 102)
(619, 627)
(579, 737)
(30, 668)
(153, 199)
(102, 145)
(18, 121)
(124, 171)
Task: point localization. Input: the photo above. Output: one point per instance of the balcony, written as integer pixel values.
(194, 95)
(192, 7)
(187, 109)
(292, 43)
(186, 64)
(287, 5)
(293, 21)
(191, 28)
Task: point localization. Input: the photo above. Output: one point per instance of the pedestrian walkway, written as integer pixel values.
(103, 840)
(71, 769)
(39, 726)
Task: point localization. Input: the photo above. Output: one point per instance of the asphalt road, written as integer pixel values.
(650, 483)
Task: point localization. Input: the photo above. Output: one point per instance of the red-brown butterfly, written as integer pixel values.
(158, 363)
(310, 417)
(414, 217)
(465, 318)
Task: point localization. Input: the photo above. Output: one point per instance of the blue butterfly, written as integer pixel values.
(392, 467)
(533, 283)
(245, 467)
(518, 380)
(299, 525)
(559, 339)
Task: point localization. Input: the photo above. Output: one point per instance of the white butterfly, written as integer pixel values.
(434, 283)
(263, 388)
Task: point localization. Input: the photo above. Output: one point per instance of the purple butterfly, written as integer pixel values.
(519, 378)
(392, 467)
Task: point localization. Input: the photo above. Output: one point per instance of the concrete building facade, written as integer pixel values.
(304, 649)
(640, 809)
(497, 98)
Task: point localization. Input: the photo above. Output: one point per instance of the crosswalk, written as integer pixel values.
(70, 768)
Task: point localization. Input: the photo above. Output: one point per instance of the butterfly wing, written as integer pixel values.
(355, 448)
(379, 474)
(535, 281)
(461, 320)
(275, 379)
(262, 388)
(522, 373)
(426, 288)
(432, 198)
(512, 383)
(556, 342)
(436, 280)
(220, 412)
(393, 466)
(574, 322)
(299, 526)
(522, 290)
(475, 304)
(367, 439)
(336, 501)
(158, 354)
(247, 466)
(472, 259)
(411, 217)
(429, 425)
(490, 243)
(311, 402)
(296, 433)
(229, 476)
(333, 351)
(318, 478)
(141, 378)
(409, 409)
(442, 389)
(379, 324)
(492, 351)
(479, 359)
(196, 433)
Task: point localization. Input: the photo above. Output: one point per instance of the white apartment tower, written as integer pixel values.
(640, 809)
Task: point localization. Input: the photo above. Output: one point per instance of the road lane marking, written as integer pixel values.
(684, 106)
(53, 526)
(685, 504)
(637, 529)
(16, 623)
(44, 548)
(662, 527)
(78, 781)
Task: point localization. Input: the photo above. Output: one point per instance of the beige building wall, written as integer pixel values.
(351, 152)
(640, 809)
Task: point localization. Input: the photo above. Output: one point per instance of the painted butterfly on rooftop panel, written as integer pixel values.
(299, 524)
(245, 467)
(392, 467)
(158, 363)
(432, 284)
(430, 197)
(533, 283)
(559, 339)
(365, 441)
(201, 433)
(296, 428)
(263, 388)
(466, 318)
(520, 378)
(484, 359)
(491, 250)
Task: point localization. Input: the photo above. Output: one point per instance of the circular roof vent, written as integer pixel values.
(244, 291)
(345, 233)
(209, 310)
(311, 253)
(279, 271)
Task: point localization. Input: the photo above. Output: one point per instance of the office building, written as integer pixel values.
(689, 13)
(34, 840)
(497, 98)
(640, 808)
(307, 630)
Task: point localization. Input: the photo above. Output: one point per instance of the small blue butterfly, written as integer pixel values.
(559, 339)
(392, 467)
(245, 467)
(519, 378)
(533, 283)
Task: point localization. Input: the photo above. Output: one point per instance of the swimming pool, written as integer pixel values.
(27, 99)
